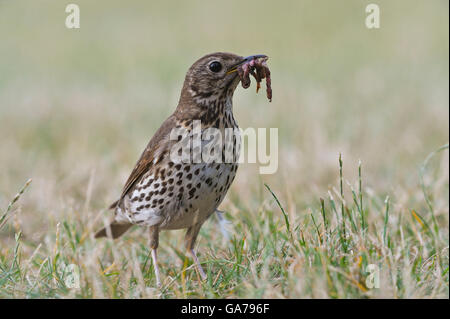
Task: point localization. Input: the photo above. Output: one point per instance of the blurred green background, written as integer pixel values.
(78, 106)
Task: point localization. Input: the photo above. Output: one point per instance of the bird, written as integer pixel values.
(166, 193)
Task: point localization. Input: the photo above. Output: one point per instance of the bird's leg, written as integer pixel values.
(153, 241)
(191, 236)
(197, 263)
(155, 265)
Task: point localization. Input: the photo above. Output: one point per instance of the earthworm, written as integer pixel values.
(259, 70)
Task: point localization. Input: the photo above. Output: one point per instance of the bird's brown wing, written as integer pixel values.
(157, 145)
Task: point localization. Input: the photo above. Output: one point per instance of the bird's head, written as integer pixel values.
(213, 77)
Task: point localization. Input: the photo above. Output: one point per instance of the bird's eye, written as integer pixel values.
(215, 66)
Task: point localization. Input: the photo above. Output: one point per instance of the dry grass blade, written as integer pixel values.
(7, 213)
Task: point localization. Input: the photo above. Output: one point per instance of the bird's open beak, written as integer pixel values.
(234, 67)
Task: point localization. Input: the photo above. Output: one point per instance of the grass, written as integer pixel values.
(78, 106)
(323, 254)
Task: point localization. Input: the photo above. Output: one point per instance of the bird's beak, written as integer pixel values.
(234, 67)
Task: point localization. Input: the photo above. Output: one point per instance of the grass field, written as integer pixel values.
(77, 107)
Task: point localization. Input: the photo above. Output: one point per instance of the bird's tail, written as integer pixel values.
(113, 230)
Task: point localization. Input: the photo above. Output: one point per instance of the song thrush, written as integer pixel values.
(162, 193)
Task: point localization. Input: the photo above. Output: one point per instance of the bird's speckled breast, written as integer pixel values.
(185, 193)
